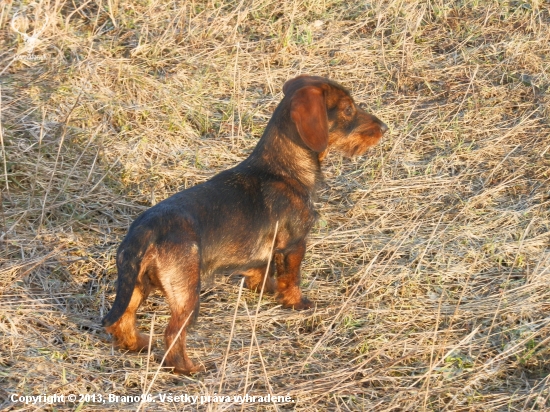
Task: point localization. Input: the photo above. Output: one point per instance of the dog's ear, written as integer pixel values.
(308, 111)
(292, 83)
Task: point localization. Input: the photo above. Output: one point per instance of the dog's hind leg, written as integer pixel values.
(124, 330)
(180, 281)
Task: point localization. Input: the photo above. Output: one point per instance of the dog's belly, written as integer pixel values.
(235, 255)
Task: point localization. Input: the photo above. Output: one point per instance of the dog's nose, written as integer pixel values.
(383, 127)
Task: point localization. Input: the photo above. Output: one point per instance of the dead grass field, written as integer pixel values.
(429, 264)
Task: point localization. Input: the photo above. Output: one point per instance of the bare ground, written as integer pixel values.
(430, 262)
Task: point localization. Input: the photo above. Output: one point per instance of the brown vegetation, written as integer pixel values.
(429, 264)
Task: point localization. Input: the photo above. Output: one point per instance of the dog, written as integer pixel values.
(228, 223)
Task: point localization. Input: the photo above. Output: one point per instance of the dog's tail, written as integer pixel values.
(130, 266)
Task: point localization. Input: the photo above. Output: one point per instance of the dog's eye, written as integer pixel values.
(348, 111)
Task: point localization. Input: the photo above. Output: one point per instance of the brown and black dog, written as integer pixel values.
(228, 223)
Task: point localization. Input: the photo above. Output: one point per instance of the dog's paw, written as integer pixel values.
(189, 371)
(183, 368)
(303, 304)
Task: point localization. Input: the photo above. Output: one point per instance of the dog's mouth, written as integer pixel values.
(360, 140)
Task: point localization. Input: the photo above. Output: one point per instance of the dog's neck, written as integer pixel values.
(279, 153)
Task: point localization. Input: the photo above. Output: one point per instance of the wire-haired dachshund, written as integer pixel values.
(228, 222)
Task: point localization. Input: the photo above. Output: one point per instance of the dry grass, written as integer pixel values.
(429, 265)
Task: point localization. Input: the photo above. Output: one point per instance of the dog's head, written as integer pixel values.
(326, 116)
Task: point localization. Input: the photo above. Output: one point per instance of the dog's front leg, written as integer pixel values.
(255, 279)
(288, 277)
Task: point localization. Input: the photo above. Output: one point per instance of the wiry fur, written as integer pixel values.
(228, 222)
